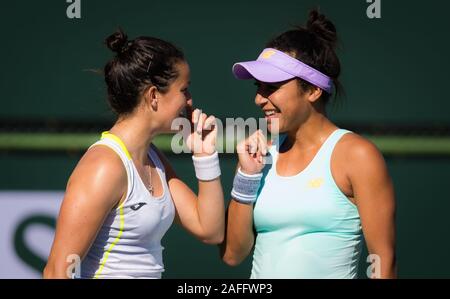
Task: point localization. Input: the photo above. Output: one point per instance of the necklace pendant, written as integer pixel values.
(150, 189)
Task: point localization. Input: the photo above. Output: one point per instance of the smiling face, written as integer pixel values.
(284, 102)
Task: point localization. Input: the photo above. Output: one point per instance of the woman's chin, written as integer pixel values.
(274, 127)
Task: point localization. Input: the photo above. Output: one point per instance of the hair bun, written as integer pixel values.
(323, 28)
(117, 42)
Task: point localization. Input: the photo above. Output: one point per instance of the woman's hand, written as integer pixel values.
(202, 139)
(251, 152)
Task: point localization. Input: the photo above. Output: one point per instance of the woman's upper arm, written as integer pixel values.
(374, 195)
(97, 184)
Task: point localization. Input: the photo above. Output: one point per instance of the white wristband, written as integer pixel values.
(207, 168)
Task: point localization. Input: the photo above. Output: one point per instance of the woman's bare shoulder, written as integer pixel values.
(359, 153)
(99, 171)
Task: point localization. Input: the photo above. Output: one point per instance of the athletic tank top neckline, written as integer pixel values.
(152, 156)
(313, 160)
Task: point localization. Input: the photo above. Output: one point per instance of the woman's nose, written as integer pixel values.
(260, 100)
(188, 96)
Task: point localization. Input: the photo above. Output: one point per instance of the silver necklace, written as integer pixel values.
(150, 186)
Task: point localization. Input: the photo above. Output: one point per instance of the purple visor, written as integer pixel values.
(276, 66)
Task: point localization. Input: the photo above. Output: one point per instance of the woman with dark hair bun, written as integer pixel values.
(305, 214)
(123, 195)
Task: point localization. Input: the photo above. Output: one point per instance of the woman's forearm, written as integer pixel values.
(239, 236)
(211, 210)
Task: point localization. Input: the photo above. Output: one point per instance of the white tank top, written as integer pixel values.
(128, 244)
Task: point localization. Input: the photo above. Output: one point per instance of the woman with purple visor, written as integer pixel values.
(305, 214)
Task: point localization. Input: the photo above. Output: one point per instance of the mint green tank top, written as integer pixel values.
(306, 227)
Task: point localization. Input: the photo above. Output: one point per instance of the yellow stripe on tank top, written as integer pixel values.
(122, 218)
(106, 134)
(116, 240)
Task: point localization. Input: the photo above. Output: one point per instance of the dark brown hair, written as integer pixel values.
(138, 65)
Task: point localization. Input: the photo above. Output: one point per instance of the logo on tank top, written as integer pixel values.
(138, 206)
(315, 183)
